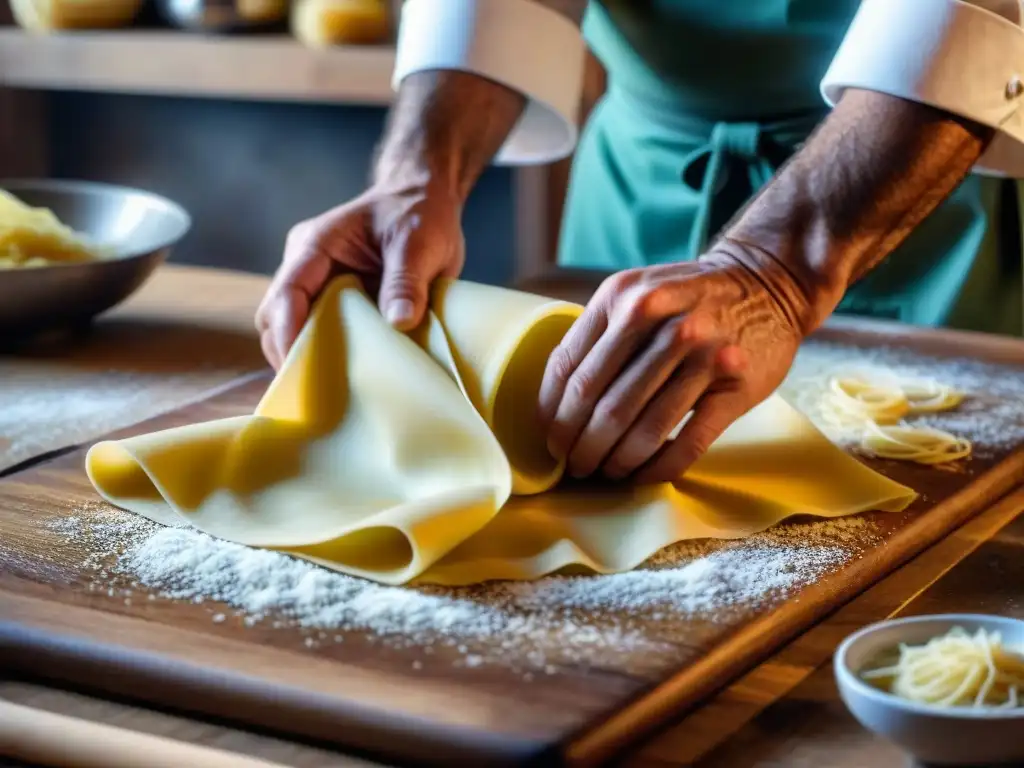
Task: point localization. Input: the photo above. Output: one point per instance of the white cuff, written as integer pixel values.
(520, 44)
(949, 54)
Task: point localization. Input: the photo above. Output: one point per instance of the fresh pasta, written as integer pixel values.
(873, 405)
(856, 400)
(923, 445)
(35, 237)
(956, 669)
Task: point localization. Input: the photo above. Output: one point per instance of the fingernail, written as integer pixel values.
(400, 312)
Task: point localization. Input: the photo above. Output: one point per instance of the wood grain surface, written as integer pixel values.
(369, 698)
(813, 727)
(186, 333)
(735, 714)
(738, 710)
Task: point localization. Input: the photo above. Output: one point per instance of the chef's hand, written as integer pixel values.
(715, 337)
(398, 243)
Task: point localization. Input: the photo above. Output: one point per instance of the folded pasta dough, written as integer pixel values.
(390, 456)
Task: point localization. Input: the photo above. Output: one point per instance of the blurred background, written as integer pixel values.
(253, 114)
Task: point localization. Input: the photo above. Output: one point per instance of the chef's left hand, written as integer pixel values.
(715, 337)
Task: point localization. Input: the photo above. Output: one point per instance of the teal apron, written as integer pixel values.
(705, 100)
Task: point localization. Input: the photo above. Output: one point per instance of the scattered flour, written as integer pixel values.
(55, 406)
(992, 416)
(633, 621)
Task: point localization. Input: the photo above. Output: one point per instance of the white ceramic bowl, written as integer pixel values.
(936, 735)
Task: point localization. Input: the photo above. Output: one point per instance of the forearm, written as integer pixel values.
(443, 131)
(875, 168)
(480, 81)
(447, 125)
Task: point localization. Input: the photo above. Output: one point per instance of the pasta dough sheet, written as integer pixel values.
(415, 457)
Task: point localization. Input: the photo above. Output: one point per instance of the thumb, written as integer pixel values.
(405, 282)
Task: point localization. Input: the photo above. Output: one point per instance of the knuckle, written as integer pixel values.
(690, 330)
(644, 438)
(647, 439)
(580, 387)
(613, 284)
(644, 307)
(301, 234)
(617, 284)
(612, 414)
(560, 363)
(733, 361)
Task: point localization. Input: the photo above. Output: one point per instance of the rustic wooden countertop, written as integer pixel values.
(784, 712)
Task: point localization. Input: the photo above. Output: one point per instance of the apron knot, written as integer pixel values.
(740, 140)
(707, 169)
(736, 147)
(727, 161)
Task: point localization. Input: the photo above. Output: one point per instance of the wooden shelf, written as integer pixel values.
(264, 68)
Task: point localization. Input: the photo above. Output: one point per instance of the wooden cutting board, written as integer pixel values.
(186, 333)
(395, 700)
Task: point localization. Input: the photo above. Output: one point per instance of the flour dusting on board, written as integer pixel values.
(992, 416)
(632, 621)
(52, 406)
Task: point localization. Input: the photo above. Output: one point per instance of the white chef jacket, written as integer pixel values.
(965, 57)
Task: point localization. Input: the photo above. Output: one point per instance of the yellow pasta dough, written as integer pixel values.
(35, 237)
(398, 457)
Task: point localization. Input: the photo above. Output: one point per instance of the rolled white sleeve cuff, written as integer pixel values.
(954, 55)
(522, 45)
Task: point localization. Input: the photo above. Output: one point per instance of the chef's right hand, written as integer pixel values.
(398, 243)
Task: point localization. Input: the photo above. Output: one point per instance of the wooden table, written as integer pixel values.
(764, 719)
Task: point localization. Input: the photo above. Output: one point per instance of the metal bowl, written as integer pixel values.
(219, 16)
(138, 227)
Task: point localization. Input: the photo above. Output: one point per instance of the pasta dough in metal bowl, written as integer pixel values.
(70, 250)
(945, 688)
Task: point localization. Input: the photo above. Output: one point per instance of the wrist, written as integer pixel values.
(444, 130)
(393, 201)
(802, 297)
(870, 174)
(412, 172)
